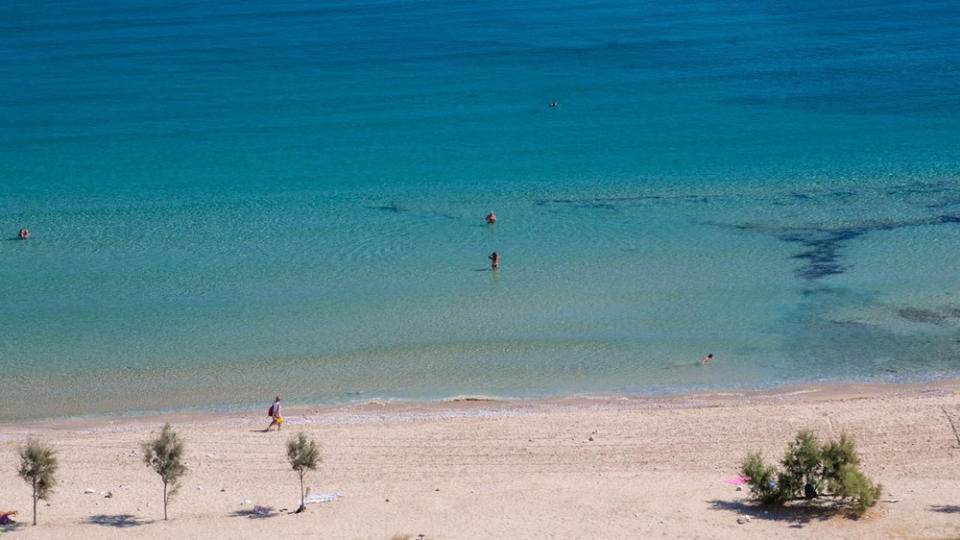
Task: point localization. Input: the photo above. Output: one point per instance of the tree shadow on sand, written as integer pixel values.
(798, 513)
(12, 526)
(945, 508)
(257, 512)
(121, 521)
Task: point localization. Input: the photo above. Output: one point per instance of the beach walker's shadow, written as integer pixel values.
(120, 521)
(257, 512)
(799, 514)
(945, 508)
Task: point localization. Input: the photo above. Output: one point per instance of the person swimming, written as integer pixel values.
(495, 260)
(23, 234)
(491, 218)
(706, 359)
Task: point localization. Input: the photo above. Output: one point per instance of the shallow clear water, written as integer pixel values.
(233, 200)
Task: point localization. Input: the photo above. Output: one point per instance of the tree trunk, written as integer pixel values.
(303, 502)
(164, 501)
(34, 501)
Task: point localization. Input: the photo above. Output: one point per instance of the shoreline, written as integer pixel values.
(468, 406)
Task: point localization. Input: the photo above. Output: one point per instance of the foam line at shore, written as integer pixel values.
(480, 407)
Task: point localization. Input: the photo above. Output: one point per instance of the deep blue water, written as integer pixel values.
(230, 200)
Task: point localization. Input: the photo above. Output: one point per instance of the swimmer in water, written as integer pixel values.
(706, 359)
(24, 234)
(495, 260)
(491, 218)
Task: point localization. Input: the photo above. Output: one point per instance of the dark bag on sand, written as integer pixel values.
(270, 411)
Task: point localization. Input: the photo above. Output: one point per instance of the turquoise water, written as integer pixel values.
(231, 200)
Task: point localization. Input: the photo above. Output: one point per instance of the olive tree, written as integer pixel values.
(303, 456)
(38, 464)
(165, 456)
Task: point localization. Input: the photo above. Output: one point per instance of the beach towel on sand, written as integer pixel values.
(738, 480)
(322, 497)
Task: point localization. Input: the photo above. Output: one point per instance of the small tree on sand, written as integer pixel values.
(165, 456)
(38, 463)
(304, 456)
(812, 470)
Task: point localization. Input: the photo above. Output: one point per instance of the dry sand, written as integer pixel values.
(494, 469)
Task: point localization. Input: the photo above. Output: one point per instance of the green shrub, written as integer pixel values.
(803, 468)
(762, 485)
(812, 470)
(856, 486)
(836, 456)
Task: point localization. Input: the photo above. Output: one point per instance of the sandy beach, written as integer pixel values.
(579, 467)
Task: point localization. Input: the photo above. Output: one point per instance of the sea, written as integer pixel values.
(233, 200)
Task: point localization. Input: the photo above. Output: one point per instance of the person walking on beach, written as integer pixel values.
(491, 218)
(495, 260)
(275, 413)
